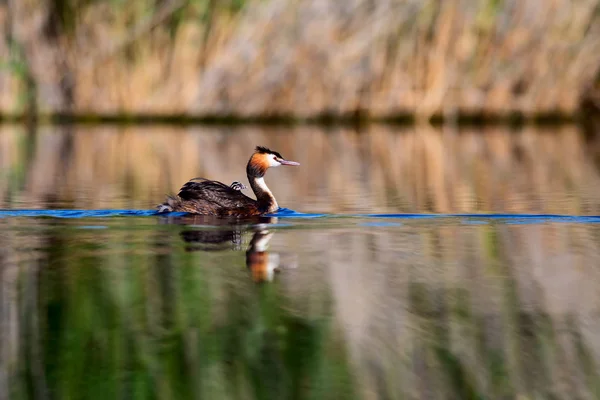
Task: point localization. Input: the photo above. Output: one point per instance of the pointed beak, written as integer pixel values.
(286, 162)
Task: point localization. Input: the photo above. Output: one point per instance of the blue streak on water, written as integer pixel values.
(78, 213)
(507, 218)
(287, 213)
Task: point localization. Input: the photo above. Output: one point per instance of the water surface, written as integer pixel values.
(380, 169)
(417, 264)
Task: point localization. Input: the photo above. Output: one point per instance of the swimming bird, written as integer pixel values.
(206, 197)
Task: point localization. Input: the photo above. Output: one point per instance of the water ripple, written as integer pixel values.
(287, 213)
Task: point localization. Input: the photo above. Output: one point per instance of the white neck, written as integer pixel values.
(262, 186)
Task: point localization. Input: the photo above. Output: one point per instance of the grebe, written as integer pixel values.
(206, 197)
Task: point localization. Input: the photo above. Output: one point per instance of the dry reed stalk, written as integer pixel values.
(464, 58)
(115, 59)
(309, 57)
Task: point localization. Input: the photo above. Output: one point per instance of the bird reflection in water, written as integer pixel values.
(227, 234)
(262, 264)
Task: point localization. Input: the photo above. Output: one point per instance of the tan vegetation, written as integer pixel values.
(301, 58)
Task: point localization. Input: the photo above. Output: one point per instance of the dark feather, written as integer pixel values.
(220, 193)
(265, 150)
(208, 197)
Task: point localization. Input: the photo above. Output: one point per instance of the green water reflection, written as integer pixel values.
(130, 312)
(169, 308)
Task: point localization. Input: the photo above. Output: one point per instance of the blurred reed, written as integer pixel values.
(300, 58)
(380, 169)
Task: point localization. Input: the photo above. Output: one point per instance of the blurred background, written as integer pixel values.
(391, 107)
(380, 58)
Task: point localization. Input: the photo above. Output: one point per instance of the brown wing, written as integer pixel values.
(216, 194)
